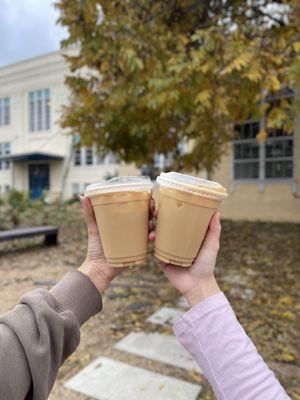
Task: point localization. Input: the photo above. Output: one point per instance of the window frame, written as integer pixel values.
(5, 111)
(88, 156)
(280, 158)
(248, 160)
(5, 150)
(39, 110)
(262, 159)
(94, 159)
(75, 193)
(77, 155)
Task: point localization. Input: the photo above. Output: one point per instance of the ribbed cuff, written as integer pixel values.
(77, 293)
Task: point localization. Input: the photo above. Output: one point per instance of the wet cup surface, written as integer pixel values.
(186, 205)
(121, 208)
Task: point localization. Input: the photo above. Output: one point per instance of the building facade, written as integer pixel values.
(37, 156)
(263, 178)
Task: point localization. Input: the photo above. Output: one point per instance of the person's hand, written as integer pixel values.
(95, 265)
(198, 282)
(152, 217)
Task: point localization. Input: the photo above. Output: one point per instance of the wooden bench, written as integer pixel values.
(50, 233)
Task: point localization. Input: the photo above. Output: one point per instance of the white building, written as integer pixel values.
(36, 155)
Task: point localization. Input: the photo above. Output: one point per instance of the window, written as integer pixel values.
(39, 110)
(161, 160)
(4, 151)
(167, 160)
(100, 159)
(246, 151)
(75, 189)
(47, 109)
(279, 155)
(111, 158)
(274, 157)
(182, 147)
(89, 156)
(5, 111)
(77, 156)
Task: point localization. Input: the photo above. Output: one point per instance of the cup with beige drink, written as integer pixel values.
(121, 208)
(185, 207)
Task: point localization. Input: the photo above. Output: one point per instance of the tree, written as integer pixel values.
(160, 73)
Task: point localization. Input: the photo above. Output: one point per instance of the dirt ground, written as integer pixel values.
(258, 268)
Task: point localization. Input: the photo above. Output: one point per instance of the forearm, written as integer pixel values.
(41, 332)
(214, 337)
(202, 290)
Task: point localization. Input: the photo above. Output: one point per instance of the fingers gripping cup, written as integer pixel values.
(121, 208)
(186, 205)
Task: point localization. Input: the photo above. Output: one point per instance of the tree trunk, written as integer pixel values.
(209, 173)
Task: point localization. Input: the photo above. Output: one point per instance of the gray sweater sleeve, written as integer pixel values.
(40, 333)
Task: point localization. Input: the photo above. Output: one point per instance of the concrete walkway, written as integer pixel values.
(108, 379)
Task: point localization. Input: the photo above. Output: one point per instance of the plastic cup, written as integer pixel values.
(185, 207)
(121, 208)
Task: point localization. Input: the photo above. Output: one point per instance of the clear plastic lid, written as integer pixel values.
(120, 184)
(201, 187)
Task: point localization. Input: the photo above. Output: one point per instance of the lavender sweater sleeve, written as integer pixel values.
(212, 334)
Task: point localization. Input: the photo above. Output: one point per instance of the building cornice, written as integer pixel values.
(47, 67)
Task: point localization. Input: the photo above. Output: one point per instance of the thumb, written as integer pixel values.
(212, 238)
(89, 216)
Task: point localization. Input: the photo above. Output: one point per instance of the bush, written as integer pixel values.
(16, 207)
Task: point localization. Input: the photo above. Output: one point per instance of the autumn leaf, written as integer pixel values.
(195, 377)
(286, 300)
(203, 97)
(288, 357)
(289, 315)
(261, 136)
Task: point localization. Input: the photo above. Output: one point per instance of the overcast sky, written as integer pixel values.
(28, 29)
